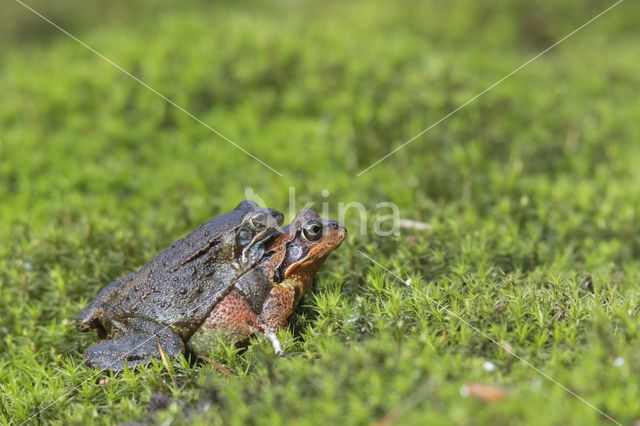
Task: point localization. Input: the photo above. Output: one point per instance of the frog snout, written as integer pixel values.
(338, 229)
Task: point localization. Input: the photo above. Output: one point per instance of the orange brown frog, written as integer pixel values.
(265, 297)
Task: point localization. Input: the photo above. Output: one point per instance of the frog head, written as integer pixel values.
(257, 227)
(302, 247)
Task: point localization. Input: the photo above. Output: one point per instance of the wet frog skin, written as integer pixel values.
(168, 299)
(264, 298)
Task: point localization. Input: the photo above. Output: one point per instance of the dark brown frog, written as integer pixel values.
(168, 299)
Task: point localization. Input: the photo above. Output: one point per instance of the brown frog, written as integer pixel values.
(264, 297)
(167, 300)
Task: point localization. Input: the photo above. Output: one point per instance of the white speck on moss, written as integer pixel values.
(464, 391)
(618, 362)
(489, 366)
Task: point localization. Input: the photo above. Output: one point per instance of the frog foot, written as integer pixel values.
(275, 342)
(273, 338)
(133, 350)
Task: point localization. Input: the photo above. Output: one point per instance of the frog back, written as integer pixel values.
(180, 286)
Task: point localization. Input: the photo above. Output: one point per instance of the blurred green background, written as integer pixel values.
(532, 193)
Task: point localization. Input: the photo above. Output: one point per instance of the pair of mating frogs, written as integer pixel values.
(237, 275)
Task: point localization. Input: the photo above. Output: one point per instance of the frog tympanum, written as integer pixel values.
(264, 297)
(168, 299)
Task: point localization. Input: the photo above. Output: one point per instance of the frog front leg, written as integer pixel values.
(137, 346)
(277, 309)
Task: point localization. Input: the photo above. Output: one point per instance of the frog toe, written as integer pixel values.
(133, 350)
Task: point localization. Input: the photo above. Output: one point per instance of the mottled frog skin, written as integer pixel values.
(263, 298)
(169, 298)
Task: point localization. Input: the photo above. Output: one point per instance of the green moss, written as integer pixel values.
(532, 193)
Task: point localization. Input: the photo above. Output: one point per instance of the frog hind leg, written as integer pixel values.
(90, 317)
(135, 348)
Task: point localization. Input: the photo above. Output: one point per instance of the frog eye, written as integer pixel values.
(259, 221)
(312, 230)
